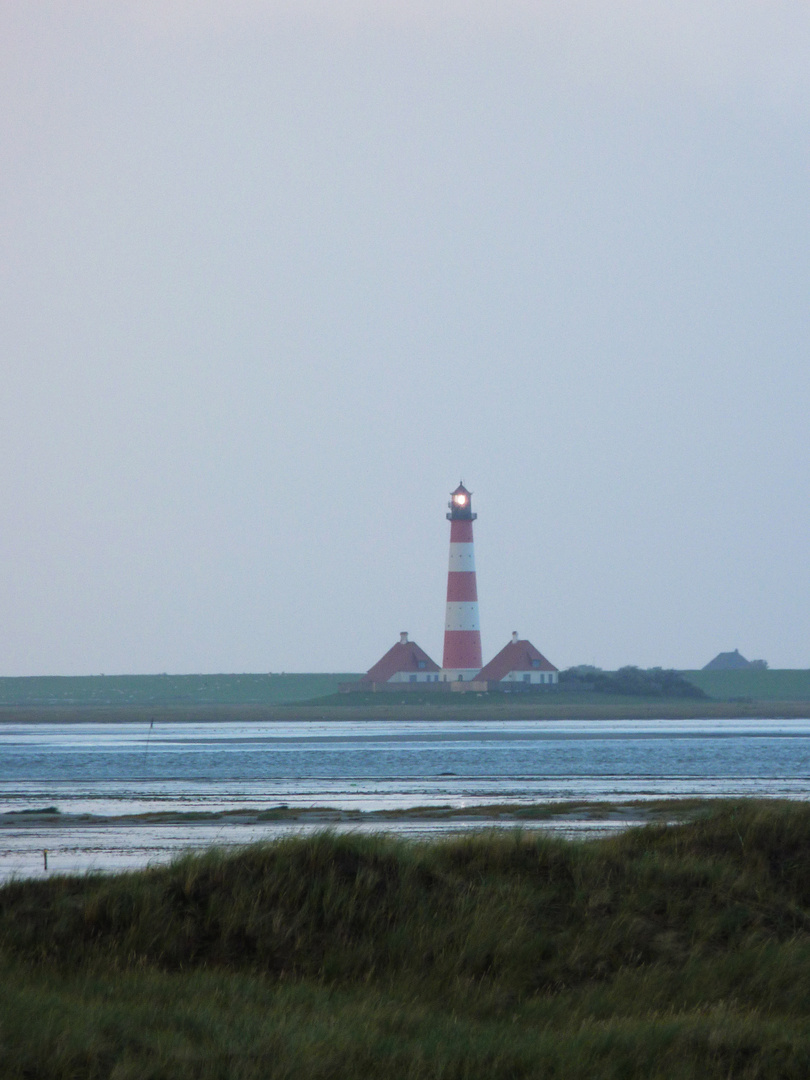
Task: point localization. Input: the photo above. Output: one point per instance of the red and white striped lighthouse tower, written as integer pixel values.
(462, 632)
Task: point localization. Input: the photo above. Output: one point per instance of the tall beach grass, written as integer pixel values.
(667, 951)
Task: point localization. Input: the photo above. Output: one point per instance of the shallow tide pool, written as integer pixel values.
(111, 770)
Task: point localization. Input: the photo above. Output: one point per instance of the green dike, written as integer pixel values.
(668, 951)
(542, 705)
(221, 698)
(156, 691)
(753, 684)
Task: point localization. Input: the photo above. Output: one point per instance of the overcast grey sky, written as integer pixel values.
(275, 276)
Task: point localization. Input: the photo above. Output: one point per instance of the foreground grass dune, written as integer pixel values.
(673, 952)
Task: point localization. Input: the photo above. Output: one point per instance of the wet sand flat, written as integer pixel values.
(82, 843)
(553, 708)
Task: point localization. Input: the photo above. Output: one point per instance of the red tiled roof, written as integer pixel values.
(404, 656)
(516, 656)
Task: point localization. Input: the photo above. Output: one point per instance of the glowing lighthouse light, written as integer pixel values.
(462, 633)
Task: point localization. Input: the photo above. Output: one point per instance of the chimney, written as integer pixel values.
(403, 637)
(514, 637)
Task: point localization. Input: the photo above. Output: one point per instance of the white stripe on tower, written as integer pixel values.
(461, 616)
(462, 557)
(462, 632)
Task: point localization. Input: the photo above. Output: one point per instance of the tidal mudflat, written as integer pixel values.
(126, 794)
(77, 843)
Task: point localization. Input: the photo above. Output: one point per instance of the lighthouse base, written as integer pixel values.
(473, 686)
(453, 675)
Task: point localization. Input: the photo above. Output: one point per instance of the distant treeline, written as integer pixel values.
(631, 681)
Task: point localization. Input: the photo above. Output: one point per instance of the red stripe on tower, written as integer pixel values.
(462, 633)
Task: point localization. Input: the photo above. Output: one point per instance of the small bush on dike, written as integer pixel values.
(657, 952)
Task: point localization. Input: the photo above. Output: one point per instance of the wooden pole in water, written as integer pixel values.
(45, 858)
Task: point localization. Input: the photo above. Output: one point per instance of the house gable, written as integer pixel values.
(404, 662)
(518, 661)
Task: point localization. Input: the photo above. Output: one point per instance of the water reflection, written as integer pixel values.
(110, 770)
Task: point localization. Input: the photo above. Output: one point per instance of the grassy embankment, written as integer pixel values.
(220, 698)
(672, 952)
(181, 691)
(558, 708)
(721, 695)
(753, 684)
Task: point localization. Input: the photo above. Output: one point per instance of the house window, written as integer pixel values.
(535, 663)
(421, 665)
(412, 678)
(527, 676)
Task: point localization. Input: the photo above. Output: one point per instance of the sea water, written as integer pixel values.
(109, 770)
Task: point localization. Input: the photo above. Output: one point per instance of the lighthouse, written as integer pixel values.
(462, 632)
